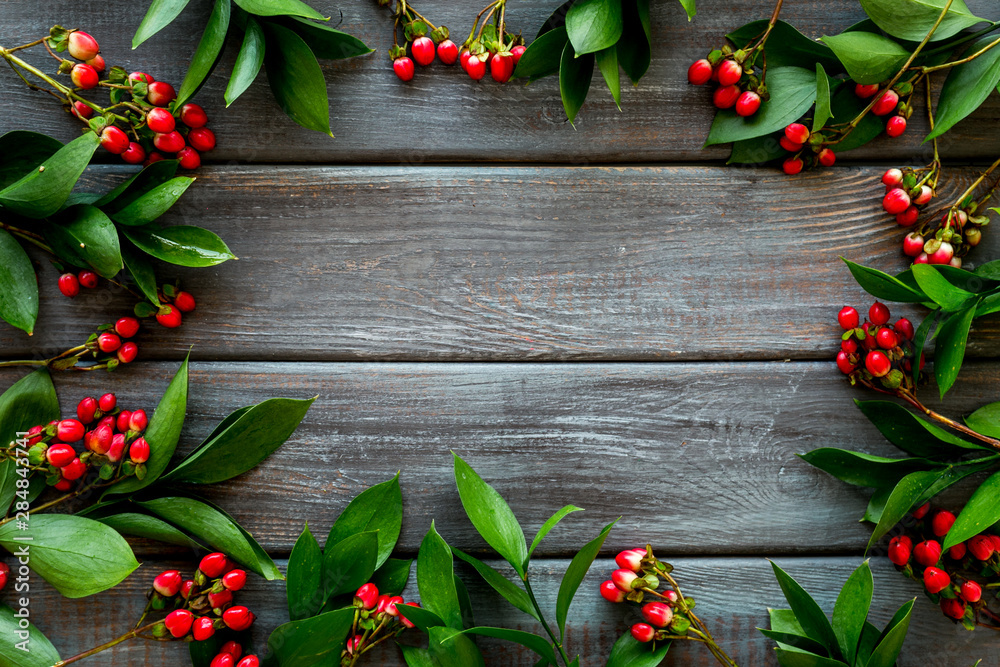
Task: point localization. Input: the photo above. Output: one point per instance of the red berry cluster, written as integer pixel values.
(893, 101)
(4, 575)
(876, 349)
(173, 302)
(202, 605)
(739, 88)
(794, 140)
(905, 194)
(949, 578)
(378, 618)
(637, 578)
(113, 445)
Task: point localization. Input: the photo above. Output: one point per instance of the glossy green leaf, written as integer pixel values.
(940, 289)
(787, 46)
(850, 612)
(863, 469)
(607, 62)
(913, 19)
(93, 238)
(758, 150)
(305, 577)
(309, 642)
(43, 190)
(811, 618)
(577, 570)
(980, 512)
(891, 641)
(542, 56)
(183, 245)
(78, 556)
(924, 334)
(379, 508)
(265, 564)
(548, 526)
(248, 62)
(246, 443)
(784, 620)
(985, 420)
(391, 578)
(137, 185)
(904, 496)
(159, 15)
(423, 618)
(989, 270)
(883, 286)
(162, 433)
(911, 432)
(793, 92)
(349, 563)
(845, 104)
(628, 652)
(296, 79)
(634, 48)
(789, 640)
(31, 401)
(867, 57)
(574, 80)
(824, 110)
(491, 515)
(280, 8)
(149, 527)
(327, 43)
(450, 648)
(539, 645)
(787, 658)
(593, 25)
(689, 8)
(436, 579)
(950, 349)
(142, 272)
(510, 591)
(23, 151)
(967, 87)
(152, 204)
(417, 657)
(18, 285)
(208, 52)
(36, 650)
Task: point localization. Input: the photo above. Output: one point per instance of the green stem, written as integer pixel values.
(954, 63)
(103, 647)
(968, 38)
(961, 428)
(541, 617)
(24, 362)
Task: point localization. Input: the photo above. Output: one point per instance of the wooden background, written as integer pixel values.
(605, 316)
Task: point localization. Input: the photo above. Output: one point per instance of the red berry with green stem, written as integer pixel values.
(909, 217)
(792, 166)
(69, 285)
(160, 93)
(220, 599)
(623, 579)
(141, 76)
(848, 318)
(942, 523)
(423, 50)
(730, 72)
(81, 45)
(238, 618)
(924, 196)
(108, 342)
(953, 608)
(126, 327)
(913, 244)
(179, 622)
(878, 313)
(138, 421)
(60, 455)
(403, 67)
(97, 62)
(886, 104)
(86, 409)
(657, 614)
(171, 142)
(927, 553)
(114, 140)
(134, 154)
(501, 67)
(747, 104)
(463, 58)
(213, 565)
(128, 352)
(475, 68)
(827, 157)
(160, 121)
(896, 201)
(517, 52)
(895, 126)
(193, 115)
(447, 52)
(189, 158)
(186, 588)
(942, 255)
(844, 363)
(878, 364)
(138, 451)
(643, 632)
(886, 339)
(630, 559)
(797, 133)
(936, 580)
(700, 72)
(82, 111)
(170, 319)
(900, 549)
(74, 470)
(725, 97)
(234, 580)
(367, 595)
(850, 346)
(892, 177)
(864, 91)
(612, 593)
(84, 76)
(168, 583)
(202, 138)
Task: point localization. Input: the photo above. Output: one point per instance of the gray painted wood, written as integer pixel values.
(733, 595)
(443, 115)
(700, 457)
(513, 263)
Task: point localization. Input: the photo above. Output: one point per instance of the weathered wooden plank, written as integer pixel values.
(733, 596)
(443, 115)
(509, 263)
(700, 457)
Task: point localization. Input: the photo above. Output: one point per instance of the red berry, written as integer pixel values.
(643, 632)
(517, 52)
(203, 628)
(60, 455)
(238, 618)
(117, 446)
(81, 45)
(631, 559)
(155, 156)
(193, 115)
(942, 523)
(249, 661)
(926, 194)
(908, 218)
(730, 72)
(179, 622)
(700, 72)
(423, 51)
(88, 279)
(792, 166)
(121, 423)
(447, 52)
(475, 67)
(232, 648)
(213, 565)
(896, 126)
(927, 553)
(171, 142)
(850, 346)
(160, 93)
(913, 244)
(160, 121)
(957, 552)
(848, 318)
(612, 593)
(114, 140)
(69, 285)
(74, 470)
(747, 104)
(81, 110)
(128, 352)
(168, 583)
(942, 255)
(904, 328)
(827, 157)
(403, 67)
(900, 549)
(234, 580)
(138, 451)
(981, 547)
(138, 421)
(4, 575)
(86, 409)
(126, 327)
(220, 599)
(202, 138)
(878, 313)
(844, 363)
(97, 62)
(463, 58)
(936, 580)
(189, 158)
(63, 485)
(886, 104)
(501, 67)
(865, 91)
(171, 319)
(141, 76)
(402, 619)
(725, 97)
(623, 579)
(953, 608)
(223, 660)
(892, 177)
(878, 364)
(108, 342)
(186, 588)
(107, 402)
(134, 154)
(69, 430)
(797, 132)
(184, 302)
(84, 76)
(886, 339)
(789, 145)
(657, 614)
(366, 596)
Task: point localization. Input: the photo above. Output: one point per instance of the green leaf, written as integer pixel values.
(423, 618)
(436, 579)
(607, 61)
(980, 512)
(788, 658)
(689, 8)
(593, 25)
(244, 444)
(162, 434)
(18, 285)
(575, 573)
(788, 46)
(940, 289)
(379, 508)
(756, 151)
(84, 233)
(911, 432)
(814, 622)
(349, 563)
(989, 270)
(784, 620)
(574, 80)
(265, 565)
(501, 584)
(793, 92)
(311, 641)
(326, 42)
(542, 56)
(305, 577)
(539, 645)
(248, 62)
(883, 286)
(985, 420)
(149, 527)
(491, 515)
(136, 186)
(78, 556)
(863, 469)
(417, 657)
(789, 640)
(634, 50)
(154, 203)
(845, 104)
(391, 578)
(924, 333)
(280, 8)
(967, 87)
(913, 19)
(868, 57)
(628, 652)
(902, 499)
(141, 271)
(183, 245)
(39, 653)
(43, 190)
(159, 15)
(950, 349)
(824, 111)
(31, 401)
(296, 79)
(548, 526)
(208, 52)
(450, 648)
(22, 152)
(891, 641)
(850, 612)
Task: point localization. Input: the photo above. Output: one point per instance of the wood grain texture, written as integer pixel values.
(697, 457)
(512, 263)
(733, 595)
(443, 115)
